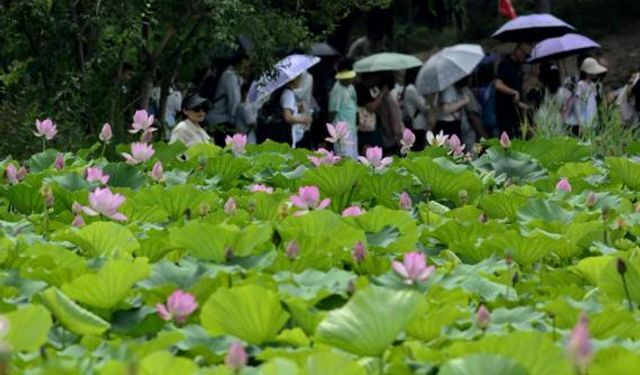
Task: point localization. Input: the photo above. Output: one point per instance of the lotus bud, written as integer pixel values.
(579, 346)
(230, 206)
(405, 201)
(59, 163)
(359, 252)
(621, 266)
(47, 196)
(483, 317)
(563, 185)
(76, 208)
(205, 209)
(157, 172)
(591, 199)
(78, 221)
(236, 357)
(22, 173)
(351, 287)
(505, 141)
(463, 196)
(293, 250)
(106, 134)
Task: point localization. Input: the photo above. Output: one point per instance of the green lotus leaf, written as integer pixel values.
(227, 168)
(544, 211)
(163, 341)
(249, 312)
(72, 316)
(155, 246)
(615, 361)
(203, 150)
(165, 363)
(124, 176)
(534, 351)
(429, 326)
(332, 363)
(483, 364)
(279, 366)
(335, 182)
(322, 236)
(502, 205)
(445, 179)
(380, 218)
(175, 201)
(204, 241)
(515, 166)
(24, 198)
(110, 285)
(42, 160)
(28, 328)
(72, 182)
(308, 284)
(553, 152)
(370, 321)
(611, 283)
(51, 263)
(525, 250)
(102, 239)
(625, 171)
(383, 188)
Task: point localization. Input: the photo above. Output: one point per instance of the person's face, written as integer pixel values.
(195, 115)
(294, 84)
(522, 53)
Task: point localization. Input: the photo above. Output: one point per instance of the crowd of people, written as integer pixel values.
(377, 106)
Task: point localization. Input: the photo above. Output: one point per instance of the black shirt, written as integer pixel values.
(510, 73)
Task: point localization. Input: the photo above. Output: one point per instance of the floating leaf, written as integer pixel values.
(28, 328)
(72, 316)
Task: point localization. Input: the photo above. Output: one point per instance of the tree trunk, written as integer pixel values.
(543, 6)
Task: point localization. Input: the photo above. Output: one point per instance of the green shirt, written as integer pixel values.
(342, 101)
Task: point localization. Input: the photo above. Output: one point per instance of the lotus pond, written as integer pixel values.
(278, 261)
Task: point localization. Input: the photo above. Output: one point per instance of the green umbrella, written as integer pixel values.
(386, 61)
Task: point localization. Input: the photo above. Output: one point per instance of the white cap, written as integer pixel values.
(592, 67)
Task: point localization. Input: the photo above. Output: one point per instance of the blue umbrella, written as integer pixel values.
(532, 28)
(561, 47)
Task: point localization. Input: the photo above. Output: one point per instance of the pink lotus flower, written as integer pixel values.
(339, 133)
(413, 268)
(59, 163)
(293, 250)
(78, 221)
(563, 185)
(95, 174)
(106, 134)
(104, 202)
(46, 129)
(179, 306)
(359, 252)
(483, 317)
(230, 206)
(14, 175)
(405, 201)
(260, 188)
(374, 159)
(505, 142)
(308, 198)
(11, 173)
(140, 153)
(141, 121)
(579, 346)
(22, 173)
(407, 141)
(457, 148)
(353, 211)
(237, 143)
(438, 140)
(157, 172)
(325, 158)
(236, 357)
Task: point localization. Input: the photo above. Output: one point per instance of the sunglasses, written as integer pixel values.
(199, 108)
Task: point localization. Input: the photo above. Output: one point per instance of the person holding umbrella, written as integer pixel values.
(509, 82)
(280, 114)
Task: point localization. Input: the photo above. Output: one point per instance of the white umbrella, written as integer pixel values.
(386, 61)
(448, 67)
(285, 71)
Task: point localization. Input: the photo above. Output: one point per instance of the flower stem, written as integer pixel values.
(626, 292)
(44, 144)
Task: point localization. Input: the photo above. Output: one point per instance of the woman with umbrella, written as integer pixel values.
(280, 115)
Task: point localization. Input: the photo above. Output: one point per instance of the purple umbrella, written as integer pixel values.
(532, 28)
(285, 71)
(558, 48)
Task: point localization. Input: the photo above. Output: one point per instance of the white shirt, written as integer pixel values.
(227, 99)
(414, 105)
(189, 133)
(304, 91)
(449, 95)
(585, 104)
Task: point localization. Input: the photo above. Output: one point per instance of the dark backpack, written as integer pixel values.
(271, 124)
